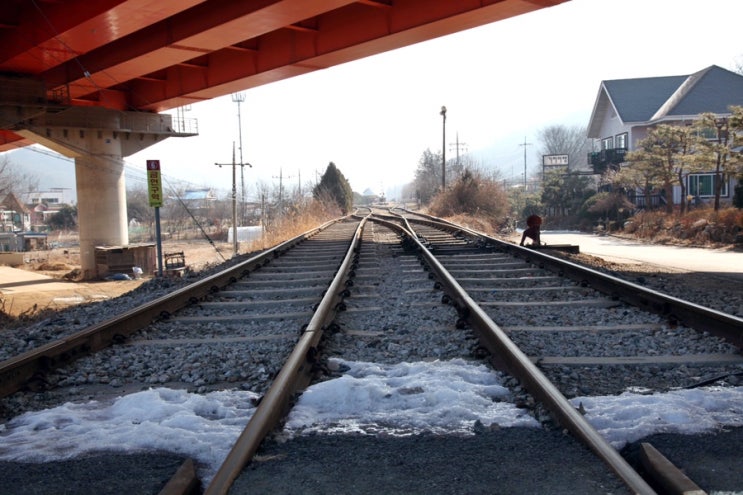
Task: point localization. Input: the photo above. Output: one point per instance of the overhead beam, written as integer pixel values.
(204, 28)
(342, 35)
(47, 34)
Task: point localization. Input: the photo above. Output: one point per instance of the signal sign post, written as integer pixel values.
(155, 193)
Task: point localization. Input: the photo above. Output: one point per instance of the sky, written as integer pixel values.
(501, 84)
(368, 398)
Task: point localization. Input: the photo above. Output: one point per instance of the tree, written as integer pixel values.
(717, 152)
(65, 218)
(473, 194)
(138, 206)
(428, 176)
(333, 185)
(564, 193)
(13, 180)
(566, 140)
(663, 157)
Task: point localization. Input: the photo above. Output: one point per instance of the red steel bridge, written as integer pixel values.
(88, 78)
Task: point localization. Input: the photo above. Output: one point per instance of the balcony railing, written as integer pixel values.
(606, 159)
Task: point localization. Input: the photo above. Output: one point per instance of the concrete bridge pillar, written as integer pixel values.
(98, 139)
(101, 200)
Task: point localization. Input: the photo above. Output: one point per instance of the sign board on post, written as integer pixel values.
(555, 160)
(155, 193)
(154, 183)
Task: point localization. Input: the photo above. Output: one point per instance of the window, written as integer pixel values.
(621, 141)
(607, 143)
(702, 185)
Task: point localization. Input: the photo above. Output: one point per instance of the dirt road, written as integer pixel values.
(629, 252)
(41, 284)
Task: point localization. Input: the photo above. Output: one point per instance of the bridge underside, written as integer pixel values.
(147, 56)
(153, 56)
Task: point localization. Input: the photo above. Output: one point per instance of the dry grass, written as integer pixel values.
(700, 226)
(301, 219)
(64, 263)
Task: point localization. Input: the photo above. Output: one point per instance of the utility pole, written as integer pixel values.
(281, 186)
(443, 148)
(239, 98)
(457, 146)
(234, 199)
(525, 144)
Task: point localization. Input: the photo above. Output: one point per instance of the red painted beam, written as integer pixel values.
(51, 33)
(333, 38)
(158, 54)
(10, 141)
(207, 27)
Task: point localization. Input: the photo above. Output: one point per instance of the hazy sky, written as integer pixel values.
(501, 84)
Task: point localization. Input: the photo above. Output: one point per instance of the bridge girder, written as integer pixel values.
(154, 55)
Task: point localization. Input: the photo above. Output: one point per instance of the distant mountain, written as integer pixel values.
(52, 169)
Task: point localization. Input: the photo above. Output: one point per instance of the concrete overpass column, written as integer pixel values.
(98, 139)
(101, 199)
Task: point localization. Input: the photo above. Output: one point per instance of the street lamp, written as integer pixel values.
(443, 148)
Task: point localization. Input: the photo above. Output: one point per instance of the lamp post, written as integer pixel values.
(443, 148)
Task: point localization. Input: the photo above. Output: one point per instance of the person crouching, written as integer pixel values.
(532, 231)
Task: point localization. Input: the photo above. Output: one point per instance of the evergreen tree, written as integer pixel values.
(65, 218)
(665, 156)
(719, 152)
(334, 186)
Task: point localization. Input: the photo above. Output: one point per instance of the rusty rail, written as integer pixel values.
(519, 365)
(293, 377)
(676, 310)
(19, 370)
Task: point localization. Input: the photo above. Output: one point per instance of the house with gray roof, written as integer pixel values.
(625, 109)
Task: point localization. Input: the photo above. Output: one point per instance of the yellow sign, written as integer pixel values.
(154, 184)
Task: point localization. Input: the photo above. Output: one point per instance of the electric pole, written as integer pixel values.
(234, 199)
(457, 146)
(443, 148)
(239, 98)
(281, 186)
(525, 144)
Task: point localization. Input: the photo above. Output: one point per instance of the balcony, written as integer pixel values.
(606, 159)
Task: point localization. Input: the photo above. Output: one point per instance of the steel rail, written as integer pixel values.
(293, 377)
(18, 371)
(677, 311)
(518, 364)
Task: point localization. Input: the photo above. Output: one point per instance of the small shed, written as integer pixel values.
(33, 240)
(123, 259)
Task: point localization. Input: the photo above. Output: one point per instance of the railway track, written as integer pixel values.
(238, 314)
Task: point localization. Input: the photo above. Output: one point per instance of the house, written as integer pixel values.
(51, 197)
(45, 204)
(14, 216)
(625, 109)
(199, 201)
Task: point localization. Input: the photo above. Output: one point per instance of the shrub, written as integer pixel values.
(472, 195)
(700, 225)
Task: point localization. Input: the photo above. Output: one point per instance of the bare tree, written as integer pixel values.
(566, 140)
(5, 181)
(12, 179)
